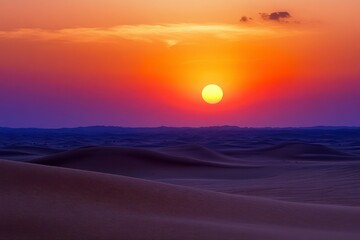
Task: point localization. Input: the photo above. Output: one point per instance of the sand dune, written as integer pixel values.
(287, 150)
(34, 149)
(128, 154)
(6, 153)
(137, 188)
(295, 150)
(145, 163)
(19, 152)
(313, 181)
(198, 152)
(41, 202)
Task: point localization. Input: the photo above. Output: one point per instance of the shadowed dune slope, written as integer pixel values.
(5, 153)
(140, 163)
(41, 202)
(196, 151)
(34, 149)
(26, 152)
(296, 150)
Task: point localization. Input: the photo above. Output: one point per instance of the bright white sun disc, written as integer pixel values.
(212, 94)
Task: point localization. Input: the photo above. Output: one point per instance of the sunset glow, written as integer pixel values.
(137, 69)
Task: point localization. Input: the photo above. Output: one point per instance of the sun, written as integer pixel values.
(212, 94)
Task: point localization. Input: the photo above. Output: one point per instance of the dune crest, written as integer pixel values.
(296, 150)
(143, 163)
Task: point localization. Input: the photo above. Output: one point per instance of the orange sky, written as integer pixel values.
(145, 62)
(91, 13)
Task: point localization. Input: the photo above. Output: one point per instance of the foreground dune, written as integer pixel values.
(42, 202)
(311, 178)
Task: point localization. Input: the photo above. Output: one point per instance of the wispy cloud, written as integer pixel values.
(170, 34)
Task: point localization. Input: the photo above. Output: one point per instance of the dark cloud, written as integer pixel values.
(245, 19)
(280, 16)
(275, 16)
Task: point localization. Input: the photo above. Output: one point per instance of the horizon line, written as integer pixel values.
(188, 127)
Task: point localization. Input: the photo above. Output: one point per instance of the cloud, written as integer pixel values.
(169, 34)
(245, 19)
(275, 16)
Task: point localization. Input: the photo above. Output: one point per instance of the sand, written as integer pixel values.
(324, 176)
(42, 202)
(209, 183)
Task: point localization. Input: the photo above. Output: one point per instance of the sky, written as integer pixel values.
(145, 63)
